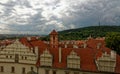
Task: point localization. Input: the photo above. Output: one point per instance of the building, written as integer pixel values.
(16, 58)
(30, 55)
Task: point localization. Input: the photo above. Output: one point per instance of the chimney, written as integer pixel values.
(113, 54)
(98, 45)
(67, 42)
(60, 54)
(90, 37)
(28, 38)
(65, 45)
(84, 45)
(37, 37)
(75, 46)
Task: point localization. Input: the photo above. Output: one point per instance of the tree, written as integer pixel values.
(113, 41)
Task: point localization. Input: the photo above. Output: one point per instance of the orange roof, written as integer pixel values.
(6, 42)
(87, 55)
(92, 43)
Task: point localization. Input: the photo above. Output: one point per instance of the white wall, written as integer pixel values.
(18, 68)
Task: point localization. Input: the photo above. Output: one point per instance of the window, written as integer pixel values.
(67, 72)
(46, 71)
(23, 70)
(12, 69)
(1, 69)
(16, 58)
(10, 56)
(76, 72)
(25, 58)
(21, 57)
(54, 72)
(31, 68)
(6, 56)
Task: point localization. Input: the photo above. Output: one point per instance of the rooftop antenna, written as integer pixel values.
(99, 23)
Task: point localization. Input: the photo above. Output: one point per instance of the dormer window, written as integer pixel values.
(73, 61)
(46, 58)
(106, 63)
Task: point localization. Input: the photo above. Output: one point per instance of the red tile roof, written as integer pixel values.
(53, 32)
(87, 55)
(92, 43)
(6, 42)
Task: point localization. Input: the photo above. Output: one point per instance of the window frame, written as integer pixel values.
(1, 69)
(12, 69)
(23, 70)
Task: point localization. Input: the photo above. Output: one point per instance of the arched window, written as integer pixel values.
(73, 61)
(46, 58)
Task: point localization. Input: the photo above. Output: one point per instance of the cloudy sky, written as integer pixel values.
(41, 16)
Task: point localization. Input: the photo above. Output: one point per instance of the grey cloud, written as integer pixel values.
(91, 12)
(76, 14)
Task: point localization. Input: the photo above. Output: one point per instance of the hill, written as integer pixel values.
(83, 33)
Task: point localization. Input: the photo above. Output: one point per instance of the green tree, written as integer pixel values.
(113, 41)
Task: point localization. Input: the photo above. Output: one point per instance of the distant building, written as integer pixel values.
(31, 56)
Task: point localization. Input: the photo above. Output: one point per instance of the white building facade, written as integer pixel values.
(16, 58)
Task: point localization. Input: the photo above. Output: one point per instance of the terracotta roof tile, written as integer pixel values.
(87, 55)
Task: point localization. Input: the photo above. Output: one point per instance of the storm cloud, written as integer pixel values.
(42, 16)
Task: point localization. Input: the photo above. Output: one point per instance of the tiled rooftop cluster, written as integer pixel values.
(84, 55)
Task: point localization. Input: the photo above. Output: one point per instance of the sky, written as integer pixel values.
(42, 16)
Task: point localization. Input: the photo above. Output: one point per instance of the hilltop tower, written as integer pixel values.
(54, 39)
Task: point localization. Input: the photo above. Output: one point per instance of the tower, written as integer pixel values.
(54, 39)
